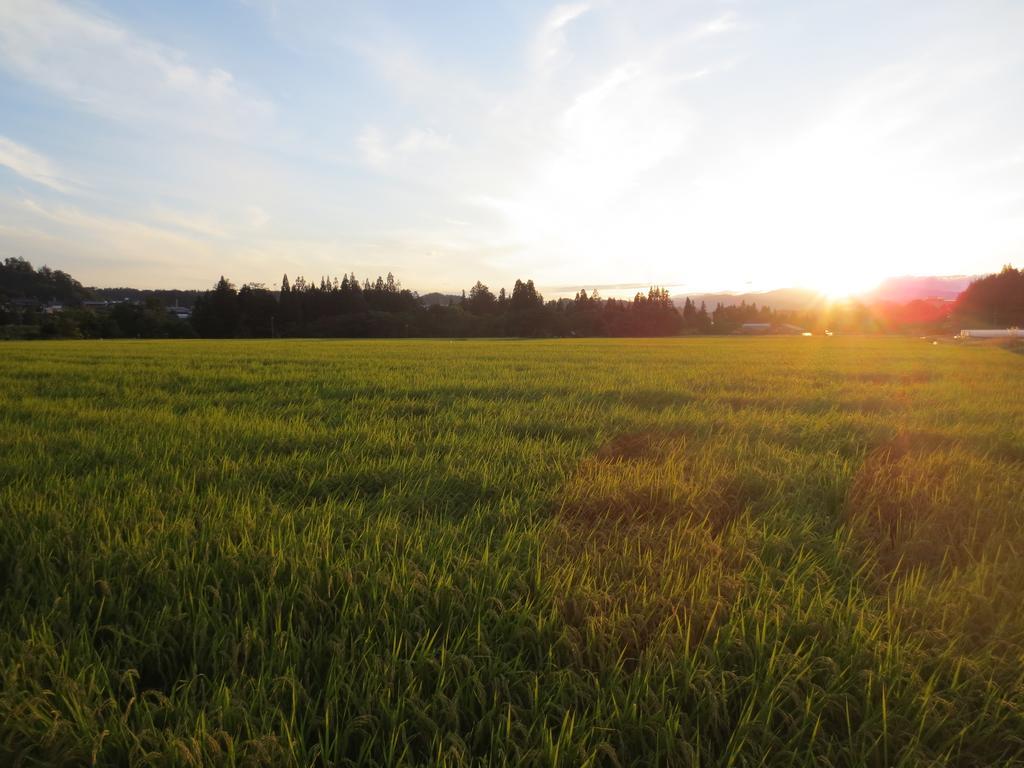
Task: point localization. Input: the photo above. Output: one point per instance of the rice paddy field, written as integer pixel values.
(716, 552)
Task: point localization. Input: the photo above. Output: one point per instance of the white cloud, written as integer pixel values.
(124, 236)
(176, 250)
(541, 172)
(550, 40)
(256, 217)
(230, 224)
(106, 68)
(716, 26)
(373, 146)
(377, 150)
(205, 226)
(32, 166)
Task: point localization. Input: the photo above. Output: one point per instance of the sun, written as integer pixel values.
(840, 284)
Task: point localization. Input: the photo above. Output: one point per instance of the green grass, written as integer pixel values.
(576, 553)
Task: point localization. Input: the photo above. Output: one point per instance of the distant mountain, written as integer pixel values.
(781, 298)
(898, 290)
(444, 299)
(904, 289)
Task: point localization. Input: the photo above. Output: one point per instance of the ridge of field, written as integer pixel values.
(792, 551)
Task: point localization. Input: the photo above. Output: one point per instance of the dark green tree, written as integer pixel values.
(480, 300)
(993, 301)
(216, 313)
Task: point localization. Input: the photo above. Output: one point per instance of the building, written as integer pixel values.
(774, 328)
(994, 333)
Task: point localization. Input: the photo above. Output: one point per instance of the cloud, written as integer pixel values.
(543, 166)
(107, 69)
(598, 156)
(228, 225)
(205, 226)
(172, 250)
(126, 237)
(32, 166)
(716, 26)
(256, 217)
(378, 151)
(550, 40)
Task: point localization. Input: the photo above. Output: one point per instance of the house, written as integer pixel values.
(103, 306)
(995, 333)
(776, 328)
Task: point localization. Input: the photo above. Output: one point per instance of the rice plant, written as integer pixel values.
(576, 552)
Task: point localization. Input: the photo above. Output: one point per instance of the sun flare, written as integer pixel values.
(839, 285)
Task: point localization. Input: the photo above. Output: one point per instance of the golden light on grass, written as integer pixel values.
(561, 552)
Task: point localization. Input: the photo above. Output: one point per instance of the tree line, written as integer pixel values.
(50, 303)
(383, 308)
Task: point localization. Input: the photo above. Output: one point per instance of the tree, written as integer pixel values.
(525, 297)
(995, 300)
(703, 319)
(18, 280)
(689, 313)
(257, 310)
(527, 315)
(480, 300)
(216, 313)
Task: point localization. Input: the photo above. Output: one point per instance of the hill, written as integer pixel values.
(894, 289)
(904, 289)
(782, 298)
(435, 298)
(20, 281)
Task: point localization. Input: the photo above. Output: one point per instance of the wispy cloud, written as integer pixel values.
(205, 226)
(122, 235)
(33, 166)
(234, 224)
(716, 26)
(378, 150)
(550, 39)
(589, 163)
(106, 68)
(166, 249)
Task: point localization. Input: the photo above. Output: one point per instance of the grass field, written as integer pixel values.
(575, 553)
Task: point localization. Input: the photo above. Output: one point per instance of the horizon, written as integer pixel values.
(605, 291)
(590, 144)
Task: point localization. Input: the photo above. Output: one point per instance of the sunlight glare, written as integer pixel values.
(840, 284)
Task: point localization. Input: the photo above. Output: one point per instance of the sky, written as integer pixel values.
(718, 145)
